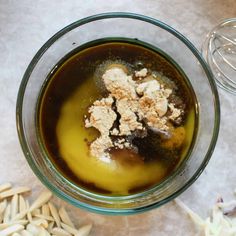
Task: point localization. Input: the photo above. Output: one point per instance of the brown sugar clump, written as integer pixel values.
(102, 115)
(135, 103)
(102, 118)
(119, 84)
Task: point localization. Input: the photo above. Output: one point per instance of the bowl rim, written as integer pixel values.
(34, 61)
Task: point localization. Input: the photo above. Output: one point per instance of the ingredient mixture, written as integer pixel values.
(117, 117)
(140, 102)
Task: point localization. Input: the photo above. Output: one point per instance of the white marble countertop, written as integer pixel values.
(25, 25)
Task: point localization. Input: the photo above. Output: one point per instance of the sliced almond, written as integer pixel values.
(15, 234)
(20, 216)
(14, 206)
(48, 218)
(40, 222)
(44, 232)
(65, 217)
(22, 204)
(43, 198)
(50, 227)
(84, 230)
(33, 229)
(29, 216)
(26, 233)
(60, 232)
(35, 212)
(45, 210)
(1, 217)
(41, 233)
(54, 214)
(21, 222)
(3, 206)
(6, 225)
(13, 191)
(11, 229)
(7, 213)
(195, 217)
(69, 229)
(5, 187)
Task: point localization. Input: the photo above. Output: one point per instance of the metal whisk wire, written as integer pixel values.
(219, 51)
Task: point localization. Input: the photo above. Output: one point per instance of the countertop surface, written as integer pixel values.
(25, 25)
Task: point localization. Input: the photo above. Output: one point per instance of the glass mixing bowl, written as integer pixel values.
(131, 26)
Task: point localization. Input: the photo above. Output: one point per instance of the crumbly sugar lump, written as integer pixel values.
(122, 88)
(137, 102)
(102, 118)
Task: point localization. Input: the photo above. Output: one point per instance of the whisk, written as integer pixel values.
(219, 50)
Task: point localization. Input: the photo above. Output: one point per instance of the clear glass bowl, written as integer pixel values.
(131, 26)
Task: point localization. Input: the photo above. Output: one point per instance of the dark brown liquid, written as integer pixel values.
(84, 64)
